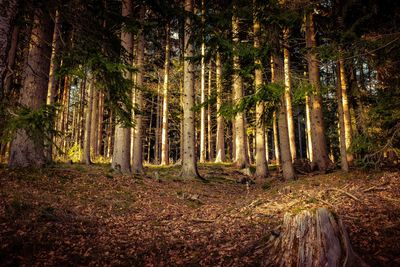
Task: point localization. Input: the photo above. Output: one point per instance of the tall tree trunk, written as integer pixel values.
(241, 158)
(88, 121)
(342, 133)
(284, 144)
(51, 91)
(121, 149)
(137, 164)
(308, 129)
(82, 112)
(65, 112)
(28, 149)
(189, 164)
(8, 13)
(346, 109)
(320, 154)
(164, 135)
(220, 144)
(276, 139)
(100, 123)
(209, 122)
(94, 123)
(261, 161)
(150, 130)
(157, 131)
(288, 93)
(12, 53)
(203, 90)
(110, 135)
(266, 144)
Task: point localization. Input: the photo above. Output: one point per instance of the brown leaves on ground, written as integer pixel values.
(78, 215)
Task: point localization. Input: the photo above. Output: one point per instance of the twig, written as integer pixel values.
(343, 192)
(374, 188)
(321, 200)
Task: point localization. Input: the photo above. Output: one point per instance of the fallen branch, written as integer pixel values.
(343, 192)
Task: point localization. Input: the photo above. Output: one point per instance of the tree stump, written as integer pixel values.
(311, 238)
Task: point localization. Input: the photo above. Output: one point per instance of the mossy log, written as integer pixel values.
(311, 238)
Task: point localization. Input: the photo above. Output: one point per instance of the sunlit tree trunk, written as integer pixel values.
(261, 161)
(241, 155)
(137, 164)
(274, 119)
(209, 122)
(100, 123)
(164, 134)
(51, 91)
(220, 142)
(308, 129)
(65, 111)
(284, 144)
(157, 130)
(276, 139)
(121, 148)
(8, 13)
(203, 90)
(288, 93)
(342, 133)
(80, 112)
(320, 154)
(110, 135)
(28, 150)
(94, 123)
(189, 164)
(346, 109)
(88, 121)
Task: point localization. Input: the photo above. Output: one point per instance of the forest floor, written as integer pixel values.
(69, 215)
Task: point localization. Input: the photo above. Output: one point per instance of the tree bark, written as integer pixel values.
(203, 91)
(9, 11)
(28, 149)
(100, 124)
(88, 121)
(220, 142)
(121, 148)
(284, 144)
(342, 135)
(346, 109)
(157, 130)
(210, 142)
(94, 123)
(51, 90)
(320, 154)
(164, 134)
(288, 94)
(308, 129)
(189, 164)
(10, 71)
(241, 158)
(137, 163)
(261, 161)
(312, 238)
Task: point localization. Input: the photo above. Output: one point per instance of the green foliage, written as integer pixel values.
(75, 153)
(38, 124)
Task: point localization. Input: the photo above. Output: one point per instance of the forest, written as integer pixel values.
(199, 133)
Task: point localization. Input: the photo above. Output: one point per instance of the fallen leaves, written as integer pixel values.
(79, 216)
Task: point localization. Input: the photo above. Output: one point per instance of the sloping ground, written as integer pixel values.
(78, 215)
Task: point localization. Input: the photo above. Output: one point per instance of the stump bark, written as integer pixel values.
(311, 238)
